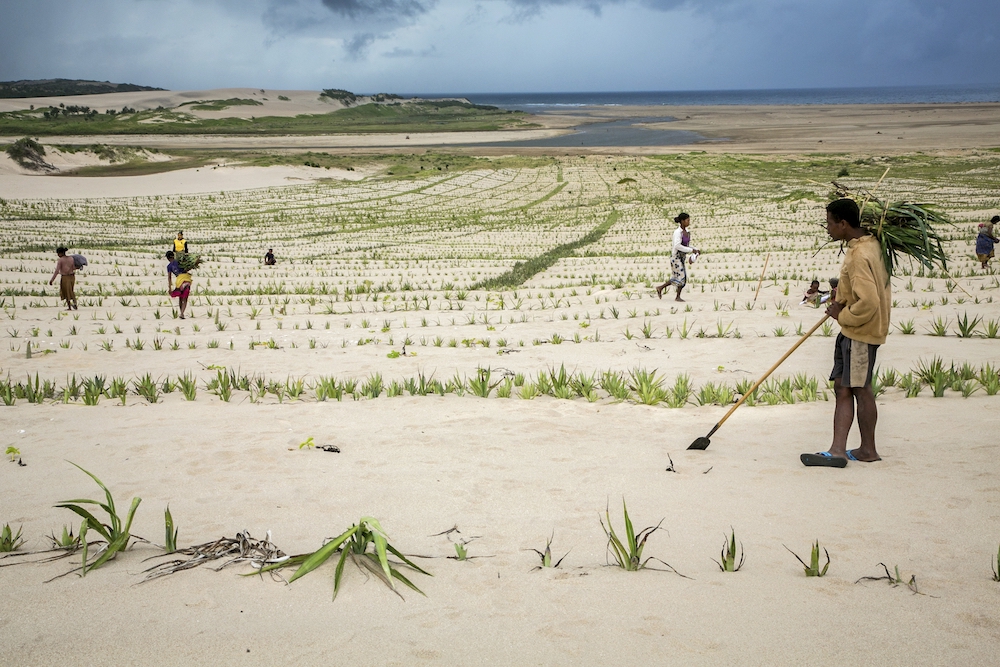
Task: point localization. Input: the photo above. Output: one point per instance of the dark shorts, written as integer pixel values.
(183, 292)
(853, 362)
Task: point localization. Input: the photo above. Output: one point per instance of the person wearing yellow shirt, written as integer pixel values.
(862, 309)
(180, 244)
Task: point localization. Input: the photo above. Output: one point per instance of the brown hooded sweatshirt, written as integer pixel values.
(865, 292)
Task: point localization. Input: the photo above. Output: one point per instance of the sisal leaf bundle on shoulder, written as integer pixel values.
(188, 261)
(903, 229)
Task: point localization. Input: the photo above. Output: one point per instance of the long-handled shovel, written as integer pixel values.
(703, 443)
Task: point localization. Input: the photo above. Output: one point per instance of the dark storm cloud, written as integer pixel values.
(386, 8)
(497, 44)
(534, 7)
(357, 46)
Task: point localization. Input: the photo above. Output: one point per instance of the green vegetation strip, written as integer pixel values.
(412, 117)
(638, 385)
(523, 271)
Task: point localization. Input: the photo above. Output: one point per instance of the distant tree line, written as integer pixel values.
(77, 110)
(62, 87)
(346, 97)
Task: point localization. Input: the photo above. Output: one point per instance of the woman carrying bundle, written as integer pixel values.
(985, 241)
(681, 249)
(181, 287)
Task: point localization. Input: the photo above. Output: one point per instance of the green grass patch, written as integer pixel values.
(140, 167)
(408, 117)
(523, 271)
(222, 105)
(401, 166)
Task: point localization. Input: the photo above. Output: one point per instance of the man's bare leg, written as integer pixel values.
(679, 288)
(660, 288)
(182, 305)
(843, 418)
(867, 419)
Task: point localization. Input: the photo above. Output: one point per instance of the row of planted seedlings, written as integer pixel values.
(365, 543)
(967, 328)
(638, 385)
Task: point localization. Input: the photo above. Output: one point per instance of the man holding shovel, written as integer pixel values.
(862, 310)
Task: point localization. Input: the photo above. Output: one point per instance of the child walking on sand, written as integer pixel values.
(65, 267)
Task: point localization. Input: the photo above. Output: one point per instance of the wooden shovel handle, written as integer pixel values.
(771, 370)
(761, 281)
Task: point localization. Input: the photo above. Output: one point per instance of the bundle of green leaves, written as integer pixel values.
(903, 229)
(188, 261)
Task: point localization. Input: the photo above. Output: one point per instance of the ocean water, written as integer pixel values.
(541, 102)
(634, 132)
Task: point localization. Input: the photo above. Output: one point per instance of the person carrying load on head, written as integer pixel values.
(66, 268)
(862, 309)
(181, 287)
(985, 241)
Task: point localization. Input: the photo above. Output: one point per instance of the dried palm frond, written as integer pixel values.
(903, 229)
(240, 549)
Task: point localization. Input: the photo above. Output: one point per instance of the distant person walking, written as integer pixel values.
(65, 267)
(985, 241)
(179, 287)
(681, 249)
(180, 244)
(269, 257)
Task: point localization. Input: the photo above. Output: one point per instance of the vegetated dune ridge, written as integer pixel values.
(372, 269)
(269, 104)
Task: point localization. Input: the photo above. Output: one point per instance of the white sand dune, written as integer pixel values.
(508, 472)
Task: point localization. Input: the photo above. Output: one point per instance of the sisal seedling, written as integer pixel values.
(989, 378)
(648, 388)
(546, 556)
(628, 554)
(115, 532)
(894, 579)
(991, 328)
(729, 554)
(967, 327)
(480, 384)
(939, 327)
(9, 540)
(367, 545)
(996, 566)
(170, 532)
(813, 569)
(528, 391)
(614, 383)
(188, 385)
(67, 541)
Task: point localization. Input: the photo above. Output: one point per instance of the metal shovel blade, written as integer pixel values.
(700, 443)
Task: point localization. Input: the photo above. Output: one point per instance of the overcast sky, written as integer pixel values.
(466, 46)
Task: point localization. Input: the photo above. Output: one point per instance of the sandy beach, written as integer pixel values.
(380, 275)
